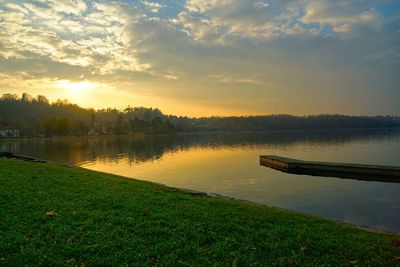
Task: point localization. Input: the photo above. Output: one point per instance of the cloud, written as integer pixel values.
(72, 7)
(246, 18)
(217, 21)
(221, 78)
(62, 32)
(228, 50)
(341, 14)
(152, 6)
(260, 5)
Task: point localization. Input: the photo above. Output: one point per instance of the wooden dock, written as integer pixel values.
(364, 172)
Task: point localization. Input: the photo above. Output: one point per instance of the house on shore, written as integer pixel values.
(9, 132)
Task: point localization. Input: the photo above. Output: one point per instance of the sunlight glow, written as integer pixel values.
(77, 87)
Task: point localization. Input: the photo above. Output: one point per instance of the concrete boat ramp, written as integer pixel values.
(364, 172)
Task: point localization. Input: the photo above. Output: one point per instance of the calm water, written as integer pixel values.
(228, 164)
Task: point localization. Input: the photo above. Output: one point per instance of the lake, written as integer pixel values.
(228, 164)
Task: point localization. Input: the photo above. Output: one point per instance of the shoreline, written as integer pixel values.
(217, 195)
(197, 192)
(138, 135)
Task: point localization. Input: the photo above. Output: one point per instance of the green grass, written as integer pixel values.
(107, 220)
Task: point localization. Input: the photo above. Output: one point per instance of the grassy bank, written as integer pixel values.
(57, 215)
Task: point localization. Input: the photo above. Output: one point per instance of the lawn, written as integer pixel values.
(57, 215)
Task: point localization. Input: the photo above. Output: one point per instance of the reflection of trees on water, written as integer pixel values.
(73, 151)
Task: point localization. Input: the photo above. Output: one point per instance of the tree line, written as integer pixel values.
(36, 116)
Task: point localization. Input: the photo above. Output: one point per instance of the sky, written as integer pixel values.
(206, 57)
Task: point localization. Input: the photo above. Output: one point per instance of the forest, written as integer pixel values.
(36, 116)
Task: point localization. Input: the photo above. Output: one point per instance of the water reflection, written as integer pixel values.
(228, 164)
(75, 150)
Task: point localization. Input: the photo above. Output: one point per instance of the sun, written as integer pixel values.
(80, 86)
(76, 87)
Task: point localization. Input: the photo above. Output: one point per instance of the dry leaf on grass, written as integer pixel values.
(51, 213)
(158, 191)
(72, 260)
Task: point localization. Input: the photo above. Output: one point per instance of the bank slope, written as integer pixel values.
(58, 215)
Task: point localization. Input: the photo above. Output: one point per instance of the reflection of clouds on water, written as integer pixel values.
(76, 150)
